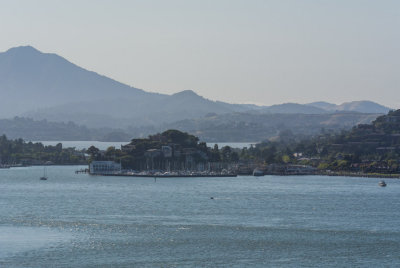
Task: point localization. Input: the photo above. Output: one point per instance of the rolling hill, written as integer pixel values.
(45, 86)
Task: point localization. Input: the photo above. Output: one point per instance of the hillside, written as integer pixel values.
(46, 86)
(366, 148)
(354, 106)
(31, 79)
(241, 127)
(293, 108)
(43, 130)
(237, 127)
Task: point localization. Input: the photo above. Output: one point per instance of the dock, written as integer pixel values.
(82, 171)
(167, 176)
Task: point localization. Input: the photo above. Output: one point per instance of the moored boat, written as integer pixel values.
(258, 173)
(44, 177)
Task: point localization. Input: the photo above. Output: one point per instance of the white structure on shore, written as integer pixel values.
(104, 167)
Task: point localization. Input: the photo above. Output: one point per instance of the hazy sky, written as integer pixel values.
(250, 51)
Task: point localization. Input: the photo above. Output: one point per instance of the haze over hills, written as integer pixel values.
(34, 130)
(42, 84)
(354, 106)
(292, 108)
(249, 127)
(234, 127)
(31, 79)
(46, 86)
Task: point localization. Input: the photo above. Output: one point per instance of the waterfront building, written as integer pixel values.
(104, 167)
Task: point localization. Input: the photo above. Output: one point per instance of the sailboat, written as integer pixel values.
(44, 177)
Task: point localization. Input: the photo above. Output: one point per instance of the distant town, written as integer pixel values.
(367, 149)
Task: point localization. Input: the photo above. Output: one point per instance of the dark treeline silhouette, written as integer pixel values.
(28, 153)
(170, 150)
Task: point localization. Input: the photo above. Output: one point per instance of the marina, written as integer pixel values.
(169, 174)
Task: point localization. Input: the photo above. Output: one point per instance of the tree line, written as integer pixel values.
(19, 151)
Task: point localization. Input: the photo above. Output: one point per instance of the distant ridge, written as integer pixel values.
(354, 106)
(46, 86)
(31, 79)
(324, 105)
(292, 108)
(364, 107)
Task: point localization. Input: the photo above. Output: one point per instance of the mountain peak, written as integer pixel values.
(23, 49)
(363, 106)
(186, 93)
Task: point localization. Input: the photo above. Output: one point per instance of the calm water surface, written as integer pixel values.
(87, 221)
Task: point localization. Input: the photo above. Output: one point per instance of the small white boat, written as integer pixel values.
(382, 184)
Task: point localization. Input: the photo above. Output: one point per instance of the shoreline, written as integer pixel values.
(168, 176)
(321, 173)
(343, 174)
(362, 175)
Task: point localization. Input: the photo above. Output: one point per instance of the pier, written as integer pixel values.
(167, 176)
(82, 171)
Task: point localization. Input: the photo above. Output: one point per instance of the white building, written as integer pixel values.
(104, 167)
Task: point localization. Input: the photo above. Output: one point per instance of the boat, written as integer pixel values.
(382, 184)
(44, 177)
(258, 173)
(4, 165)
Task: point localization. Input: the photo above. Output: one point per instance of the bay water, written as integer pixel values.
(77, 220)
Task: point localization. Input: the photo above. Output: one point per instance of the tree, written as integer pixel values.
(93, 152)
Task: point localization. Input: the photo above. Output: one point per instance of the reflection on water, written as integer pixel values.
(15, 240)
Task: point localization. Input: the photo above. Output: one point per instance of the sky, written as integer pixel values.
(239, 51)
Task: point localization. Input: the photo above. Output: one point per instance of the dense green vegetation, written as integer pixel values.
(365, 148)
(170, 150)
(27, 153)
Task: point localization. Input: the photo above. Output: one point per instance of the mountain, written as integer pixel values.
(363, 107)
(354, 106)
(293, 108)
(31, 79)
(47, 86)
(324, 105)
(118, 112)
